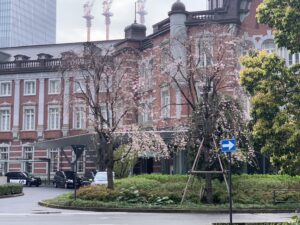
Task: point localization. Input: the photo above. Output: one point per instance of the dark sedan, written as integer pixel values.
(66, 179)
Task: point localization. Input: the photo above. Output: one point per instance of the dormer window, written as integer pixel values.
(43, 56)
(21, 57)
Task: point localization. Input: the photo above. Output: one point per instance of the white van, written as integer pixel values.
(101, 178)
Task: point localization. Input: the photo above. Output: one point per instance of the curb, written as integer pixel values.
(12, 196)
(143, 210)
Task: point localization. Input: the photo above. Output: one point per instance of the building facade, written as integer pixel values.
(27, 22)
(35, 97)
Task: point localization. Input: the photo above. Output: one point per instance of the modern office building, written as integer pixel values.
(24, 22)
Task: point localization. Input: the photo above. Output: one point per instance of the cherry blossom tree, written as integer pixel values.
(204, 68)
(106, 81)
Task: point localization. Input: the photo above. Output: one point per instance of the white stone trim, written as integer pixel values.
(16, 104)
(41, 108)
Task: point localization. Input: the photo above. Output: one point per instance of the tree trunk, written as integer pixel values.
(208, 188)
(110, 166)
(208, 176)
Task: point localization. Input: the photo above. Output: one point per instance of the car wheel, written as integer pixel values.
(37, 185)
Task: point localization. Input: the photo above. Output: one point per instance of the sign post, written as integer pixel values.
(229, 146)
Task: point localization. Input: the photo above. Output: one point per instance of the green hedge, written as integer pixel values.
(10, 189)
(168, 189)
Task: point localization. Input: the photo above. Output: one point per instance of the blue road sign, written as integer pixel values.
(228, 145)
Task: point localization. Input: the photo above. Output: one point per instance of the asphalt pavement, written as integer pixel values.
(25, 210)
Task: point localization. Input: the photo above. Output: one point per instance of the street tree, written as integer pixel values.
(106, 84)
(275, 119)
(283, 16)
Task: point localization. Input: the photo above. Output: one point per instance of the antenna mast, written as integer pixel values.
(141, 10)
(87, 8)
(107, 14)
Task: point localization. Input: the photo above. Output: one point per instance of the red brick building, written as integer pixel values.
(35, 98)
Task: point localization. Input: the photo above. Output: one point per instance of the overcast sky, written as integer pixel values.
(71, 25)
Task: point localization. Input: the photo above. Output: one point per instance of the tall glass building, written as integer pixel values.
(27, 22)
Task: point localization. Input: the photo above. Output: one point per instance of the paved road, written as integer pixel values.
(25, 211)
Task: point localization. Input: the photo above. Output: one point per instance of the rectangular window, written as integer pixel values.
(146, 111)
(178, 103)
(53, 118)
(29, 119)
(4, 119)
(297, 57)
(290, 59)
(3, 156)
(106, 114)
(165, 103)
(106, 83)
(29, 87)
(79, 117)
(294, 58)
(54, 159)
(79, 86)
(205, 53)
(5, 88)
(28, 155)
(119, 114)
(54, 87)
(80, 162)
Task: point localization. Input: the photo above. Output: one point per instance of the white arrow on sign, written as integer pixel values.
(230, 145)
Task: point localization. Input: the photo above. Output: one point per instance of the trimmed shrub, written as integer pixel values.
(10, 189)
(99, 193)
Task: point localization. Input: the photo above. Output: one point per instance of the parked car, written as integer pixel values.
(101, 178)
(88, 177)
(66, 179)
(23, 178)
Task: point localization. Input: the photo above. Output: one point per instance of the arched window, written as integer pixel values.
(269, 45)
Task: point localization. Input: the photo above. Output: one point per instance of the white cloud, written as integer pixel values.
(71, 24)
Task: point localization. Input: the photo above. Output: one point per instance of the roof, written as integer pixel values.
(83, 139)
(54, 50)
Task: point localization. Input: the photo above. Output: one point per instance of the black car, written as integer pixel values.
(66, 179)
(23, 178)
